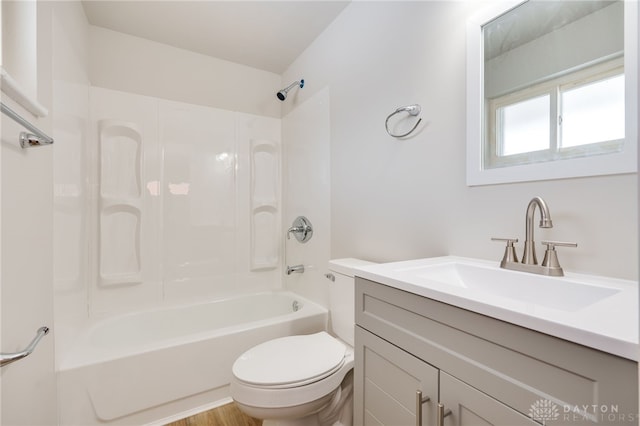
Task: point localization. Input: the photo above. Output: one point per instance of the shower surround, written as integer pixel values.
(187, 202)
(160, 203)
(177, 204)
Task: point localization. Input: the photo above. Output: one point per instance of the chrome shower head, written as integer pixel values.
(282, 95)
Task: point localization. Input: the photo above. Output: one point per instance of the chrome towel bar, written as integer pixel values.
(27, 140)
(9, 358)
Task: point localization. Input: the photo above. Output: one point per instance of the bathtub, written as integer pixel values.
(144, 367)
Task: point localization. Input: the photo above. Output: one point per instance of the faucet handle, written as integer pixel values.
(509, 241)
(552, 244)
(510, 255)
(551, 256)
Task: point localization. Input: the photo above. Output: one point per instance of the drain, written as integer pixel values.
(295, 305)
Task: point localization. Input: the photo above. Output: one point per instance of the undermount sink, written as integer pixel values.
(553, 292)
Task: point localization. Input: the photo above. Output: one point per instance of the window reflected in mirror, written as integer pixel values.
(577, 115)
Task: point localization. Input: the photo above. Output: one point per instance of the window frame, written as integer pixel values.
(623, 162)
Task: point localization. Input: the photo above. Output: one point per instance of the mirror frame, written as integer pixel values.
(625, 161)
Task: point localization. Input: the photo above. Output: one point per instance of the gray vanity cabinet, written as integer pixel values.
(482, 370)
(390, 379)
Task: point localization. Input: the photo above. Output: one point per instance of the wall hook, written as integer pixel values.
(413, 110)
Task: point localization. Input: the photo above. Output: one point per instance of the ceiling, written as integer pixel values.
(265, 34)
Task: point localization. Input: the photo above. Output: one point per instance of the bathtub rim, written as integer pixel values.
(81, 353)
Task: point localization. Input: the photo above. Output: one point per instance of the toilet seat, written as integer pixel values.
(290, 361)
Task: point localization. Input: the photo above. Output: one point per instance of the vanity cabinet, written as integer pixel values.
(482, 370)
(391, 379)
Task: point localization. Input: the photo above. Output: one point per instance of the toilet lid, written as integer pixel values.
(290, 361)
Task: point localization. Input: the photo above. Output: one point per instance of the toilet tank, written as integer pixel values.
(342, 296)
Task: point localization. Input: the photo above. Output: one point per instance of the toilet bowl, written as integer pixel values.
(291, 378)
(304, 380)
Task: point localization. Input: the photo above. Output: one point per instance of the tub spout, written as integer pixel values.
(297, 268)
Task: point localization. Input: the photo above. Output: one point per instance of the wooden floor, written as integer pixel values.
(225, 415)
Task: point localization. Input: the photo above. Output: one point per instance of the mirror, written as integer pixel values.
(539, 40)
(549, 84)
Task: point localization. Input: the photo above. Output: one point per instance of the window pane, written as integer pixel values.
(593, 113)
(525, 126)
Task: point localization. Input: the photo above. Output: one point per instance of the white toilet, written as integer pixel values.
(304, 380)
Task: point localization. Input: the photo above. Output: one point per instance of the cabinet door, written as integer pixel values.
(470, 407)
(386, 383)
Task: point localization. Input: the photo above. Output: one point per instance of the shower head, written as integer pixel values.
(282, 95)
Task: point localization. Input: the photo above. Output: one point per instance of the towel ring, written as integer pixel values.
(413, 110)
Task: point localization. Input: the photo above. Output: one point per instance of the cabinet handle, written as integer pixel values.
(419, 401)
(442, 413)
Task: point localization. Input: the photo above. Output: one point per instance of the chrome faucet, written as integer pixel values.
(550, 264)
(301, 229)
(297, 268)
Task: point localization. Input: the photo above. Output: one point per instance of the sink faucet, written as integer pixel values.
(550, 264)
(529, 256)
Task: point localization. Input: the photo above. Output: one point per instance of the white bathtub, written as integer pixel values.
(144, 367)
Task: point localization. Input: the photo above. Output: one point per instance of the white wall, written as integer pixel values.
(136, 65)
(400, 199)
(28, 386)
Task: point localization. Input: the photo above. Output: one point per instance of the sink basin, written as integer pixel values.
(552, 292)
(599, 312)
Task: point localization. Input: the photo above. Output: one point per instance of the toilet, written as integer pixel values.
(304, 380)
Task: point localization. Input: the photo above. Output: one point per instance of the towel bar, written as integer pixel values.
(12, 357)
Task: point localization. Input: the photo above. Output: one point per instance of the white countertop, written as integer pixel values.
(609, 324)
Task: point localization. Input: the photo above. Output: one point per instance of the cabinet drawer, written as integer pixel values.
(514, 365)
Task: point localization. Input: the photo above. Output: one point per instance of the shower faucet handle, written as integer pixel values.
(301, 229)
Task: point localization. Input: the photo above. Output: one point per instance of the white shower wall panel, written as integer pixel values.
(199, 198)
(265, 201)
(71, 204)
(120, 198)
(125, 154)
(182, 200)
(249, 129)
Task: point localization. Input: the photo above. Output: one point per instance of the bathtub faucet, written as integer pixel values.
(301, 229)
(297, 268)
